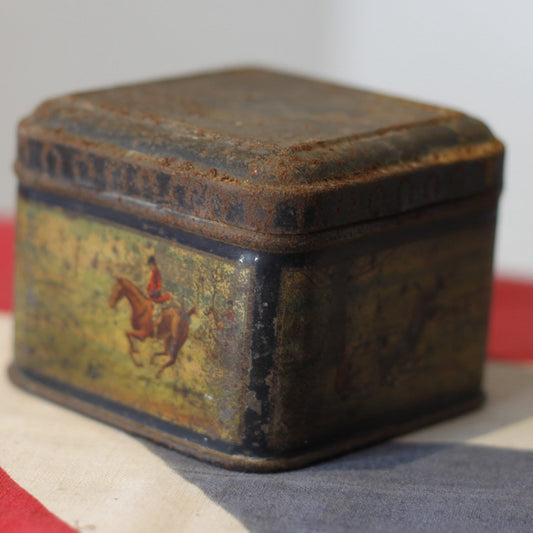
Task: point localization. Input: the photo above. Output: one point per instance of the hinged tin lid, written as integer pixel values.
(256, 151)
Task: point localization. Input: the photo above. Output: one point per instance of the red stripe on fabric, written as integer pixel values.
(511, 327)
(511, 324)
(20, 512)
(7, 239)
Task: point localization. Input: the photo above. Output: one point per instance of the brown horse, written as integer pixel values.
(172, 326)
(174, 329)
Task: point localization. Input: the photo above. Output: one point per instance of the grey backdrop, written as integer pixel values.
(474, 55)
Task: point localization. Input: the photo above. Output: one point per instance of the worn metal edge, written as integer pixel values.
(251, 239)
(281, 206)
(482, 145)
(241, 462)
(76, 117)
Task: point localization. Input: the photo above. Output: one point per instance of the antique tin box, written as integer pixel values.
(254, 268)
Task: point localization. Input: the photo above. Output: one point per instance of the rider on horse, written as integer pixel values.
(154, 287)
(154, 292)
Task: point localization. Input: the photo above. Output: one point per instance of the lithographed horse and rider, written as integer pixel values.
(172, 325)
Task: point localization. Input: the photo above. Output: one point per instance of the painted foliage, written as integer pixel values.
(171, 355)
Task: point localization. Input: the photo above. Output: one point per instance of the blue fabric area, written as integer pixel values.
(391, 487)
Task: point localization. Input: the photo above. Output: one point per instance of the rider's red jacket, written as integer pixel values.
(154, 287)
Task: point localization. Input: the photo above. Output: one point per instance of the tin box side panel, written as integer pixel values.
(384, 332)
(83, 319)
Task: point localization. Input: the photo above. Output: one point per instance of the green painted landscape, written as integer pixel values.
(68, 268)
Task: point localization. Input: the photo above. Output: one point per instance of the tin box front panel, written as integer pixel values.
(83, 318)
(382, 332)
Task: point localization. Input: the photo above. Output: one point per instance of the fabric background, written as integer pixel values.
(472, 473)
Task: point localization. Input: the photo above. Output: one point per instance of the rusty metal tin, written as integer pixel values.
(254, 268)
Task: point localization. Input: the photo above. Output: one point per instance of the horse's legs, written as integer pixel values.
(137, 335)
(129, 336)
(170, 362)
(174, 347)
(157, 354)
(167, 343)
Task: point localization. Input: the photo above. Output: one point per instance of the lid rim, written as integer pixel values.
(399, 155)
